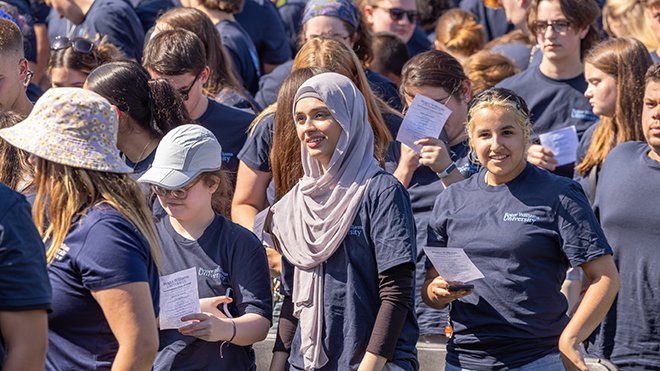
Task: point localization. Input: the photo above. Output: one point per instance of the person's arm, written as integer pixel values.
(129, 311)
(286, 330)
(435, 293)
(396, 288)
(541, 157)
(408, 163)
(603, 279)
(25, 335)
(244, 330)
(249, 195)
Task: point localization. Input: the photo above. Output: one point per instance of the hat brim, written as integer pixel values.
(167, 178)
(32, 137)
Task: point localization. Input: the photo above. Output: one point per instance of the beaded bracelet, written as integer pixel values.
(233, 335)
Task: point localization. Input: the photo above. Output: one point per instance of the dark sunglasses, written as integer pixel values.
(184, 92)
(397, 14)
(78, 44)
(177, 194)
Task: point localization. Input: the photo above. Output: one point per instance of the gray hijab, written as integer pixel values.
(311, 221)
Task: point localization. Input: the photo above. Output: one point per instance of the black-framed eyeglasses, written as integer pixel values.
(177, 194)
(559, 26)
(78, 44)
(184, 92)
(397, 14)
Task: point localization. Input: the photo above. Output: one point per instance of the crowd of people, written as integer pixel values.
(179, 177)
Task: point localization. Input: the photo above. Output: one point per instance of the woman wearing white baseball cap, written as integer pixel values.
(229, 261)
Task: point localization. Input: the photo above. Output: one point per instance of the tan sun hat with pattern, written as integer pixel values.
(73, 127)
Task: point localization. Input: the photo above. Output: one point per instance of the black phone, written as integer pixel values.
(453, 288)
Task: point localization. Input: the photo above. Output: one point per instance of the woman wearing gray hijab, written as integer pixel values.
(347, 232)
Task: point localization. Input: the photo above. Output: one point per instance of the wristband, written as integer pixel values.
(233, 335)
(445, 173)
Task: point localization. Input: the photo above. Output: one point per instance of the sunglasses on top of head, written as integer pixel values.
(78, 44)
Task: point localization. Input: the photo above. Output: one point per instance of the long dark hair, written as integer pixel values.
(153, 104)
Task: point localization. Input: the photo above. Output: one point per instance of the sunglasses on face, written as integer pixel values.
(560, 26)
(397, 14)
(79, 45)
(177, 194)
(184, 92)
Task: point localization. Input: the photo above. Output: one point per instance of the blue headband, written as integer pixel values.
(342, 9)
(8, 17)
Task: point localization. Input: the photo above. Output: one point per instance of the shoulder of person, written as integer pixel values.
(521, 79)
(625, 152)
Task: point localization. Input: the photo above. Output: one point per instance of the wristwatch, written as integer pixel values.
(445, 173)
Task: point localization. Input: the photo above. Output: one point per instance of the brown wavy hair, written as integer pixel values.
(625, 59)
(83, 62)
(65, 193)
(486, 68)
(459, 33)
(335, 56)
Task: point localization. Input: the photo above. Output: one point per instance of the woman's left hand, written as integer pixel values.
(207, 327)
(434, 154)
(571, 354)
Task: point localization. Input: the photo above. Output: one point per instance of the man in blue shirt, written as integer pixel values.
(25, 293)
(96, 19)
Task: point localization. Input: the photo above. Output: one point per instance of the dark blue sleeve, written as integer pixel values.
(263, 23)
(114, 254)
(250, 277)
(269, 85)
(582, 238)
(392, 228)
(124, 31)
(256, 151)
(24, 283)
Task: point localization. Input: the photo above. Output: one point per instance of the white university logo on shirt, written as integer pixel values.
(61, 252)
(356, 230)
(521, 218)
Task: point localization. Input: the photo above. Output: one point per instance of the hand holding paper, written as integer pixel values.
(179, 296)
(425, 118)
(563, 143)
(453, 264)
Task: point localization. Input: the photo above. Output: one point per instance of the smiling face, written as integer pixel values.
(651, 118)
(557, 46)
(499, 143)
(317, 129)
(601, 91)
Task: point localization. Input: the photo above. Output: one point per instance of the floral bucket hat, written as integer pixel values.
(73, 127)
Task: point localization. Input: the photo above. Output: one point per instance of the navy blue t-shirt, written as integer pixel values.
(263, 23)
(230, 126)
(256, 151)
(102, 250)
(629, 211)
(115, 19)
(149, 10)
(381, 237)
(518, 52)
(384, 89)
(582, 150)
(243, 53)
(225, 256)
(423, 189)
(291, 12)
(418, 43)
(522, 236)
(24, 283)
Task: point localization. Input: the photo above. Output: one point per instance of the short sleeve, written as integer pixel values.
(582, 238)
(392, 228)
(114, 254)
(24, 283)
(250, 278)
(256, 150)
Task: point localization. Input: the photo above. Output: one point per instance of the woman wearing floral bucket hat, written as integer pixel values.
(98, 231)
